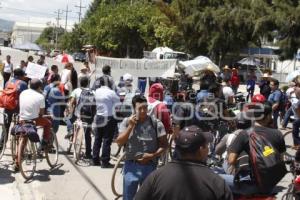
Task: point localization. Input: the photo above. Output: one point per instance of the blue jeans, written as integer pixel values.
(69, 125)
(55, 125)
(296, 126)
(142, 82)
(287, 116)
(133, 175)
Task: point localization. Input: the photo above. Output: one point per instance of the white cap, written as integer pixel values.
(127, 77)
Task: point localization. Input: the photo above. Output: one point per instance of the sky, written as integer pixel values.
(41, 11)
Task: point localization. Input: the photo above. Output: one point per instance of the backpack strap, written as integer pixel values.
(154, 122)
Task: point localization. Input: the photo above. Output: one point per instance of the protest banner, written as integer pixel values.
(136, 67)
(35, 71)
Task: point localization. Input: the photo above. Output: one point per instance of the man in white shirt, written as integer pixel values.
(106, 100)
(7, 69)
(228, 93)
(32, 107)
(290, 93)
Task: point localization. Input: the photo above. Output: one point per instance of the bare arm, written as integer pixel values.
(123, 137)
(162, 146)
(42, 112)
(232, 158)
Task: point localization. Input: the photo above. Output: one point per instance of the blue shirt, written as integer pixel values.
(275, 97)
(21, 86)
(250, 84)
(53, 99)
(202, 95)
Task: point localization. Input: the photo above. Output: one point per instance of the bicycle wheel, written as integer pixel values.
(14, 142)
(117, 177)
(26, 157)
(115, 151)
(3, 140)
(287, 133)
(51, 151)
(77, 143)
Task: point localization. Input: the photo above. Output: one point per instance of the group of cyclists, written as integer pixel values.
(194, 119)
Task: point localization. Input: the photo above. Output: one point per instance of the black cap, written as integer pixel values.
(190, 138)
(18, 72)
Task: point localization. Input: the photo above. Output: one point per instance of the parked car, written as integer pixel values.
(79, 56)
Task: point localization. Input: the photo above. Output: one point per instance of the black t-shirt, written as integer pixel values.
(274, 136)
(184, 180)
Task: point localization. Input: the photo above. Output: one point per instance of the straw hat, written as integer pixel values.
(226, 67)
(266, 75)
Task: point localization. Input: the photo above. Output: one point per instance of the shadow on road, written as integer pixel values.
(44, 174)
(5, 175)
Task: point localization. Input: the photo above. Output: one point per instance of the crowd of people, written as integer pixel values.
(123, 114)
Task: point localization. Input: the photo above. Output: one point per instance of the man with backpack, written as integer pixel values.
(82, 102)
(106, 70)
(265, 147)
(9, 98)
(54, 100)
(145, 140)
(276, 98)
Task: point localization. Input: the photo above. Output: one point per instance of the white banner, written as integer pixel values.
(136, 67)
(35, 71)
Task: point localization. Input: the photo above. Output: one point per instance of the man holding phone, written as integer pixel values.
(145, 139)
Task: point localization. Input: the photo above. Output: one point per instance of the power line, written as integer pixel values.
(59, 12)
(33, 12)
(67, 11)
(80, 8)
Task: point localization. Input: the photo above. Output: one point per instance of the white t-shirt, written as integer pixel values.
(65, 79)
(7, 67)
(30, 104)
(227, 92)
(76, 94)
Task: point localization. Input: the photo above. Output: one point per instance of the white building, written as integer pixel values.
(26, 32)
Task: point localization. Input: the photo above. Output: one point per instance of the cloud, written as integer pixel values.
(41, 11)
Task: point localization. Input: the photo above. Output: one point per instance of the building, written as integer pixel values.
(26, 32)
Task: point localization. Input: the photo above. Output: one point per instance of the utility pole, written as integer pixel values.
(67, 11)
(59, 12)
(80, 9)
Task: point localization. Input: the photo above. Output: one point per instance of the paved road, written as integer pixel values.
(68, 181)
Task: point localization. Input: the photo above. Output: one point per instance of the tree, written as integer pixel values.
(49, 34)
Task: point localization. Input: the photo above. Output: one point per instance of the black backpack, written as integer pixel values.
(266, 164)
(87, 105)
(283, 101)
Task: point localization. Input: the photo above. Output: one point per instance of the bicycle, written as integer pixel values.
(24, 149)
(77, 141)
(293, 192)
(117, 176)
(3, 136)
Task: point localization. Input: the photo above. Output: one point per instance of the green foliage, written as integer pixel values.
(47, 35)
(200, 27)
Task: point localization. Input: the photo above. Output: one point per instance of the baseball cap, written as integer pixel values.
(190, 138)
(127, 77)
